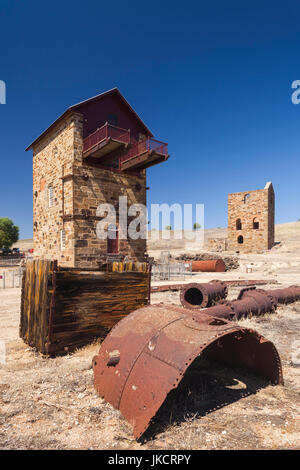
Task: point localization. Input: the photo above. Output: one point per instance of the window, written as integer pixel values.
(246, 198)
(255, 224)
(238, 224)
(240, 240)
(62, 239)
(50, 196)
(112, 240)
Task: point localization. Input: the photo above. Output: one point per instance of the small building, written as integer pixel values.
(93, 153)
(251, 220)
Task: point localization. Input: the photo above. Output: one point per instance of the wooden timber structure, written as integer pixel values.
(63, 309)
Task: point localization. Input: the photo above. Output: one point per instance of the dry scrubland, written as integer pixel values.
(51, 403)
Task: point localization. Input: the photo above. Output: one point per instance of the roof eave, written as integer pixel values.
(76, 107)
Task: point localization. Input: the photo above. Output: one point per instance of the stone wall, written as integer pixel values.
(77, 192)
(94, 186)
(53, 157)
(251, 220)
(217, 244)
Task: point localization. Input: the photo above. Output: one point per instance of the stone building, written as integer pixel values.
(217, 244)
(95, 152)
(251, 217)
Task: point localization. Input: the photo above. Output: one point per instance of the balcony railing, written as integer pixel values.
(103, 133)
(147, 145)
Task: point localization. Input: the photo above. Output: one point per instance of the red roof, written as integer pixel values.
(77, 107)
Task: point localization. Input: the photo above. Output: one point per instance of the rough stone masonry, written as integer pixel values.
(77, 191)
(251, 221)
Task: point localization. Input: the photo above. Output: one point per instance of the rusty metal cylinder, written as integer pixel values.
(254, 302)
(196, 295)
(251, 302)
(222, 310)
(209, 266)
(264, 302)
(287, 295)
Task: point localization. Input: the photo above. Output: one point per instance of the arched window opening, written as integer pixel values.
(255, 224)
(246, 198)
(240, 240)
(238, 224)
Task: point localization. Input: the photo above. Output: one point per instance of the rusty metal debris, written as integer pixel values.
(147, 354)
(251, 303)
(232, 283)
(213, 266)
(195, 295)
(254, 302)
(287, 295)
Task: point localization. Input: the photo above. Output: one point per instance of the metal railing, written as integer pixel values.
(168, 271)
(11, 279)
(146, 145)
(10, 260)
(103, 133)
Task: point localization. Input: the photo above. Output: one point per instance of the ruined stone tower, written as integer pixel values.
(95, 152)
(251, 221)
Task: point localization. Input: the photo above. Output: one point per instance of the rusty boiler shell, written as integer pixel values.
(146, 355)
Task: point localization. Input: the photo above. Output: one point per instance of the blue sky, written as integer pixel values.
(213, 79)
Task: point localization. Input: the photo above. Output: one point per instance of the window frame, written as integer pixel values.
(50, 196)
(62, 240)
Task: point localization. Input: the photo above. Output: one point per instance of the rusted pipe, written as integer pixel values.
(286, 296)
(147, 354)
(251, 302)
(232, 283)
(196, 295)
(209, 266)
(254, 302)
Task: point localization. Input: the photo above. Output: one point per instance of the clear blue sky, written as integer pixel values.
(213, 79)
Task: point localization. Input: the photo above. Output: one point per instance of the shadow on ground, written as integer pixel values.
(205, 387)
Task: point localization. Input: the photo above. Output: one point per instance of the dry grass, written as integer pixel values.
(51, 403)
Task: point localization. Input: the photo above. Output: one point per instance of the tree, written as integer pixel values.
(168, 227)
(196, 226)
(9, 233)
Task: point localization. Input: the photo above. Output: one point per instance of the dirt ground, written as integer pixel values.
(51, 403)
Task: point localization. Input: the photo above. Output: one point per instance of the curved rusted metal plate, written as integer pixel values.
(147, 353)
(195, 295)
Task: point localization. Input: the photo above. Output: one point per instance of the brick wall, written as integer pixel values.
(245, 211)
